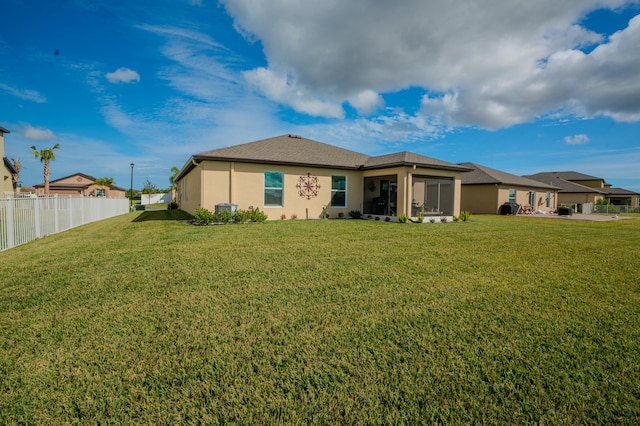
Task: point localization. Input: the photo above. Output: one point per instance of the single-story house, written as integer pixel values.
(485, 190)
(7, 184)
(80, 184)
(290, 175)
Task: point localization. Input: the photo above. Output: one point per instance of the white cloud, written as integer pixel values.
(123, 75)
(34, 133)
(492, 63)
(26, 94)
(576, 139)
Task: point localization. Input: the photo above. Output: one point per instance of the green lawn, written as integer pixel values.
(146, 319)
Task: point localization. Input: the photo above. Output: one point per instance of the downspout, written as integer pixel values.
(232, 173)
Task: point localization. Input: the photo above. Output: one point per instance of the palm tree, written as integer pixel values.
(174, 175)
(45, 155)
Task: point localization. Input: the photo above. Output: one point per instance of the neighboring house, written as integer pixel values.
(575, 188)
(485, 189)
(80, 184)
(6, 177)
(623, 197)
(290, 175)
(579, 188)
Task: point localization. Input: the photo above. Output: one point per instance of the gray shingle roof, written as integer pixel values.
(296, 150)
(563, 184)
(409, 158)
(619, 191)
(482, 175)
(288, 149)
(570, 176)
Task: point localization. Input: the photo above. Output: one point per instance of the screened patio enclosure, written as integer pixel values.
(430, 196)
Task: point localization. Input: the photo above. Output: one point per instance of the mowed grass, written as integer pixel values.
(146, 319)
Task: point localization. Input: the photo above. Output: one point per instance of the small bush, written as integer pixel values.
(257, 216)
(444, 219)
(283, 216)
(387, 219)
(403, 218)
(432, 220)
(294, 216)
(223, 216)
(341, 215)
(377, 217)
(173, 205)
(241, 216)
(456, 219)
(465, 215)
(355, 214)
(203, 216)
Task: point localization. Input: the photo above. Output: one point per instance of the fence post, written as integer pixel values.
(36, 216)
(10, 222)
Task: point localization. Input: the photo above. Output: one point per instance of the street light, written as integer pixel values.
(131, 189)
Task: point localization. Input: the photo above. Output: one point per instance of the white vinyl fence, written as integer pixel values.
(25, 218)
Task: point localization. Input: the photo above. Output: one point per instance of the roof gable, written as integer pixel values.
(482, 175)
(570, 176)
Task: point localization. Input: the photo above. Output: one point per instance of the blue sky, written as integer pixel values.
(520, 86)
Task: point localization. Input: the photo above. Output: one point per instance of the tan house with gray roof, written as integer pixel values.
(290, 175)
(80, 184)
(485, 190)
(579, 188)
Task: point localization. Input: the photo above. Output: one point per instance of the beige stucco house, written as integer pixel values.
(485, 190)
(290, 175)
(579, 188)
(576, 188)
(7, 183)
(80, 184)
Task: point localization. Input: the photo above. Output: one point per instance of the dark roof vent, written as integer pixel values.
(295, 136)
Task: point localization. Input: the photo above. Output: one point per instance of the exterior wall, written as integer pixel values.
(487, 199)
(578, 198)
(481, 199)
(215, 182)
(189, 194)
(243, 184)
(596, 183)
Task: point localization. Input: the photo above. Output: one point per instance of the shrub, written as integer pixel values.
(465, 215)
(223, 216)
(294, 216)
(173, 205)
(443, 219)
(283, 216)
(258, 216)
(456, 219)
(325, 213)
(387, 219)
(355, 214)
(377, 217)
(241, 216)
(341, 214)
(432, 220)
(203, 216)
(403, 218)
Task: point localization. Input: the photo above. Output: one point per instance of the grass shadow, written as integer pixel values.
(162, 215)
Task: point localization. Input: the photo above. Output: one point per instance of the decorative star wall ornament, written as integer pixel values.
(308, 186)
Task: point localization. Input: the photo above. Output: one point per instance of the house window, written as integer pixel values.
(548, 199)
(512, 195)
(101, 193)
(273, 189)
(338, 191)
(532, 199)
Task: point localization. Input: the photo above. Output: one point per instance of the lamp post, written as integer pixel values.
(131, 189)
